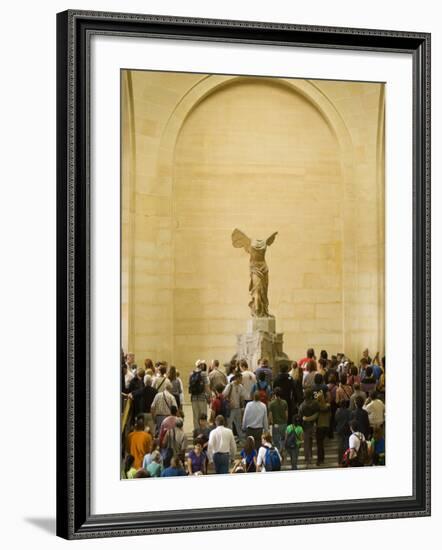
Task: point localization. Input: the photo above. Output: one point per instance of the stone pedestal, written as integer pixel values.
(261, 340)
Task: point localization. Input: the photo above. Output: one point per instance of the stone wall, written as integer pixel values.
(203, 154)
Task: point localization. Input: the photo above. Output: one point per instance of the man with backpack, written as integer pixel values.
(269, 459)
(358, 448)
(199, 392)
(262, 387)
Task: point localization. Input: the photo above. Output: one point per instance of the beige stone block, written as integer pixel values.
(328, 311)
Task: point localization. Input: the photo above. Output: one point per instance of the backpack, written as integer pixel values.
(272, 461)
(196, 383)
(291, 440)
(362, 454)
(262, 390)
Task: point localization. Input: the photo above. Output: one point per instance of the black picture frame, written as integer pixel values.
(74, 30)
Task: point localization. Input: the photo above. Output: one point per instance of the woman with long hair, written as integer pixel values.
(129, 470)
(248, 457)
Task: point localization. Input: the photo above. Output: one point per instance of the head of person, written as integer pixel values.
(354, 370)
(334, 362)
(363, 362)
(359, 401)
(198, 448)
(297, 420)
(156, 456)
(141, 473)
(140, 373)
(311, 365)
(202, 420)
(319, 379)
(219, 420)
(148, 380)
(357, 386)
(369, 372)
(215, 363)
(310, 353)
(323, 363)
(365, 353)
(243, 365)
(264, 362)
(256, 396)
(203, 366)
(294, 365)
(343, 379)
(167, 385)
(130, 358)
(237, 377)
(374, 395)
(171, 375)
(139, 425)
(284, 368)
(173, 410)
(219, 388)
(277, 392)
(333, 378)
(249, 444)
(163, 369)
(308, 394)
(323, 354)
(266, 438)
(354, 426)
(128, 462)
(148, 364)
(175, 463)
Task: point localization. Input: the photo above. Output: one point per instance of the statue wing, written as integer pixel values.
(271, 239)
(240, 240)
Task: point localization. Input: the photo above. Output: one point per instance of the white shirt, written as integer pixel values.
(375, 411)
(221, 440)
(127, 378)
(260, 461)
(355, 440)
(248, 380)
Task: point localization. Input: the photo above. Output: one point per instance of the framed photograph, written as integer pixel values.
(243, 239)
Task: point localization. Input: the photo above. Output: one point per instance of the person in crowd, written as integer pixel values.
(269, 458)
(278, 416)
(247, 461)
(137, 383)
(255, 419)
(219, 405)
(310, 356)
(129, 469)
(363, 364)
(148, 365)
(216, 376)
(376, 366)
(322, 425)
(381, 382)
(332, 369)
(263, 366)
(235, 394)
(175, 385)
(332, 387)
(360, 416)
(139, 443)
(308, 411)
(127, 375)
(309, 374)
(232, 368)
(161, 405)
(248, 380)
(262, 386)
(353, 377)
(343, 419)
(202, 433)
(197, 461)
(376, 411)
(377, 446)
(142, 473)
(148, 457)
(322, 366)
(366, 356)
(160, 381)
(182, 402)
(130, 362)
(142, 403)
(174, 443)
(344, 391)
(368, 382)
(288, 390)
(294, 437)
(357, 392)
(222, 447)
(168, 423)
(320, 386)
(295, 371)
(155, 467)
(358, 450)
(175, 468)
(199, 391)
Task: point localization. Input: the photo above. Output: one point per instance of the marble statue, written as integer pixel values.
(259, 272)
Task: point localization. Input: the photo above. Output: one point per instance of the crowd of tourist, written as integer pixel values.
(246, 421)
